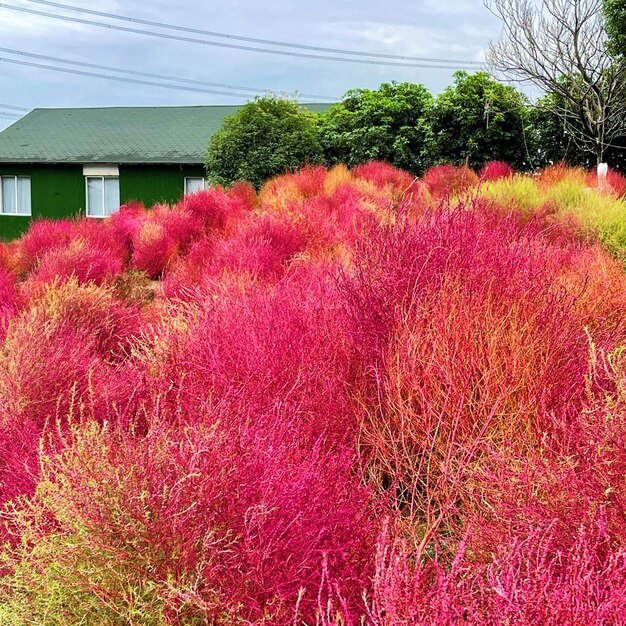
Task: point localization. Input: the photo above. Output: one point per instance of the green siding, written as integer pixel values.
(155, 184)
(58, 191)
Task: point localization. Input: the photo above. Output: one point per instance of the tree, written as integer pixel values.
(615, 14)
(561, 46)
(266, 137)
(389, 124)
(480, 119)
(555, 144)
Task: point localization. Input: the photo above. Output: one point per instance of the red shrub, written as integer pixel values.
(10, 299)
(125, 224)
(66, 354)
(262, 248)
(79, 259)
(615, 181)
(217, 209)
(447, 180)
(494, 170)
(383, 174)
(245, 193)
(338, 219)
(230, 520)
(166, 233)
(309, 180)
(42, 237)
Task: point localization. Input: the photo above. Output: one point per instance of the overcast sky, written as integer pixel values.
(449, 29)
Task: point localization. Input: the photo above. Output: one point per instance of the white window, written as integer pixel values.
(103, 195)
(193, 184)
(15, 195)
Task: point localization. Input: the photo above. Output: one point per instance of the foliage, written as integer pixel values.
(389, 124)
(479, 119)
(615, 15)
(266, 137)
(354, 397)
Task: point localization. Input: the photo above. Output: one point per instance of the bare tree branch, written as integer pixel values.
(561, 47)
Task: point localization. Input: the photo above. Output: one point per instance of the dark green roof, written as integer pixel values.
(115, 135)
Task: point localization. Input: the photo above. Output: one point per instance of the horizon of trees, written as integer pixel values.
(475, 120)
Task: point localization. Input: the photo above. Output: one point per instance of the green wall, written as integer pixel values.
(58, 191)
(153, 184)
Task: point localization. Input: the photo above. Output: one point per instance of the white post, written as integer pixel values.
(603, 170)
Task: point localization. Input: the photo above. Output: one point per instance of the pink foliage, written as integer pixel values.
(125, 224)
(10, 299)
(42, 237)
(383, 174)
(217, 208)
(348, 403)
(615, 181)
(494, 170)
(339, 218)
(262, 248)
(446, 180)
(165, 233)
(80, 259)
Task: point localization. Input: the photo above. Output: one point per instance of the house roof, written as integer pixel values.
(115, 135)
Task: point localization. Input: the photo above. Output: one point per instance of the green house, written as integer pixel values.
(57, 163)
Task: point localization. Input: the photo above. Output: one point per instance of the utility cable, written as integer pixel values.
(138, 31)
(122, 79)
(268, 42)
(189, 81)
(13, 108)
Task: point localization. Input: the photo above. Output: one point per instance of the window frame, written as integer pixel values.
(102, 178)
(16, 213)
(186, 178)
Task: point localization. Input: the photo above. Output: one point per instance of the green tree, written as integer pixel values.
(388, 124)
(556, 142)
(266, 137)
(480, 119)
(615, 15)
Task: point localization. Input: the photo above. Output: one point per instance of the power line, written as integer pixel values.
(9, 115)
(13, 108)
(121, 79)
(205, 42)
(268, 42)
(108, 68)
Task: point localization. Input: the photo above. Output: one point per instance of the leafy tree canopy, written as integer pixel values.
(266, 137)
(480, 119)
(615, 14)
(388, 124)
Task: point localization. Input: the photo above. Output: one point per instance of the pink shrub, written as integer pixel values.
(262, 248)
(42, 237)
(10, 299)
(279, 347)
(66, 354)
(164, 234)
(245, 194)
(309, 180)
(495, 170)
(125, 224)
(79, 259)
(336, 220)
(447, 180)
(470, 343)
(615, 181)
(383, 175)
(217, 208)
(248, 543)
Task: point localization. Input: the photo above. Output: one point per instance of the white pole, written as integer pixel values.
(603, 170)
